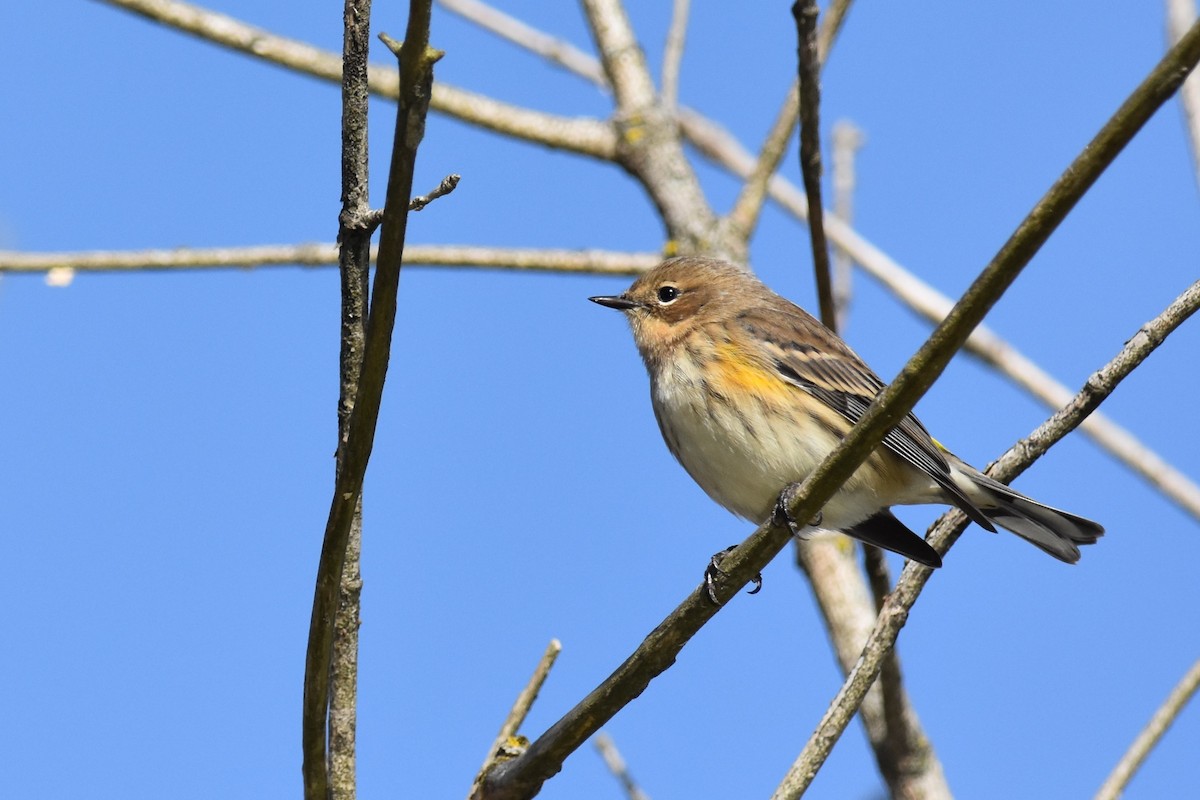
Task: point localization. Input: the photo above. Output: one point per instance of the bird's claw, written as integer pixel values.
(713, 573)
(783, 514)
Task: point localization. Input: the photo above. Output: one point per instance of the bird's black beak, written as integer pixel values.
(617, 301)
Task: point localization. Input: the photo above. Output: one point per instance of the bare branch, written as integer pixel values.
(1114, 787)
(556, 51)
(593, 262)
(719, 145)
(354, 267)
(805, 13)
(616, 765)
(578, 135)
(501, 748)
(1181, 15)
(847, 139)
(354, 451)
(673, 53)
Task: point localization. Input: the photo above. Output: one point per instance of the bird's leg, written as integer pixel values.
(713, 573)
(783, 513)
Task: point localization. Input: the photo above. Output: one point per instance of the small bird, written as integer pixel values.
(751, 393)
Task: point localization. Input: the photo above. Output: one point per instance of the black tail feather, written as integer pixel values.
(884, 530)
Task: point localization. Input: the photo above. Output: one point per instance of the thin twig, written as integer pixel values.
(673, 53)
(416, 76)
(593, 262)
(616, 765)
(847, 139)
(805, 14)
(555, 50)
(355, 267)
(448, 184)
(716, 143)
(1123, 772)
(580, 135)
(500, 749)
(1181, 15)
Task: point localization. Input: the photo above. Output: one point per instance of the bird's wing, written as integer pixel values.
(807, 355)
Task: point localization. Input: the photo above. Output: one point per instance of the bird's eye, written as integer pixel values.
(667, 294)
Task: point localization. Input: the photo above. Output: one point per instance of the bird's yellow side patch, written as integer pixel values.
(738, 373)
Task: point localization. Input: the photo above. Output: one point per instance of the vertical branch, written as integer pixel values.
(354, 263)
(805, 12)
(673, 54)
(1181, 14)
(847, 139)
(354, 452)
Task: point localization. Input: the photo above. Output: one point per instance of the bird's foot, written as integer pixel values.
(714, 573)
(783, 514)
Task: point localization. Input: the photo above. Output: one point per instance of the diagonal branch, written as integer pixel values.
(616, 765)
(354, 451)
(556, 51)
(1129, 764)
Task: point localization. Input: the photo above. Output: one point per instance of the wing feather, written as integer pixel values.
(807, 355)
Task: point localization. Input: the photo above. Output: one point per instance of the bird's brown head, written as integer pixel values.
(667, 303)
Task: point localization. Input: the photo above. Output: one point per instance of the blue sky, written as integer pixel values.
(167, 452)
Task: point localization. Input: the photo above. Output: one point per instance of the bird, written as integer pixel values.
(751, 393)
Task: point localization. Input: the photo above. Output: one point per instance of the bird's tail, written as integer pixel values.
(1057, 532)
